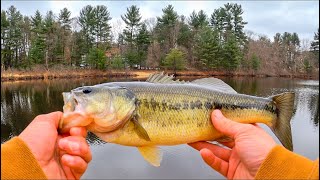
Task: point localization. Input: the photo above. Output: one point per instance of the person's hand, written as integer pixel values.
(60, 157)
(244, 155)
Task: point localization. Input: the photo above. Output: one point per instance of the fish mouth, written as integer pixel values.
(73, 113)
(69, 102)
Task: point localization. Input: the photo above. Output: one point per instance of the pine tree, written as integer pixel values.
(169, 17)
(26, 41)
(14, 42)
(49, 30)
(175, 60)
(185, 34)
(315, 43)
(207, 49)
(193, 20)
(255, 62)
(143, 41)
(36, 21)
(87, 24)
(97, 58)
(95, 29)
(166, 28)
(202, 19)
(198, 20)
(37, 50)
(4, 40)
(78, 47)
(315, 48)
(65, 21)
(101, 27)
(217, 21)
(231, 54)
(295, 44)
(228, 20)
(132, 20)
(290, 44)
(238, 24)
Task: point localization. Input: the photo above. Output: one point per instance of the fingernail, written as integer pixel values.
(74, 146)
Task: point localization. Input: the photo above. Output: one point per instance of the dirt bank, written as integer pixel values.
(12, 75)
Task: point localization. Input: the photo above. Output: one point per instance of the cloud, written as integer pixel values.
(268, 18)
(148, 11)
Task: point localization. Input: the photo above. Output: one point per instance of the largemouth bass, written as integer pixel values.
(163, 111)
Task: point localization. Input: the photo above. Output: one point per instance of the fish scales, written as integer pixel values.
(163, 111)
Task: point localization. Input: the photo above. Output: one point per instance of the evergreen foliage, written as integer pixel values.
(175, 60)
(216, 41)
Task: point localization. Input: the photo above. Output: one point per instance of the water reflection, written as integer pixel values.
(309, 100)
(22, 101)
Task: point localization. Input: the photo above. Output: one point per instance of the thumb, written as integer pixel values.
(52, 118)
(225, 125)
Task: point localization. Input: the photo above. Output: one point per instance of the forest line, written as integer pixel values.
(195, 42)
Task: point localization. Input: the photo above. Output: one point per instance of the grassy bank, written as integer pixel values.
(12, 75)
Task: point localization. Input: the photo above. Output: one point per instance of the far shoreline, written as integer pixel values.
(139, 74)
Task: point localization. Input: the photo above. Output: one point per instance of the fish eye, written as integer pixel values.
(86, 90)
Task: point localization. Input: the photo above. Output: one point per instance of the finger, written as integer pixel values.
(53, 117)
(77, 165)
(75, 145)
(215, 162)
(224, 125)
(218, 151)
(78, 131)
(227, 144)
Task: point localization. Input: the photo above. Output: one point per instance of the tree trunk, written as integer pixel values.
(46, 60)
(97, 41)
(10, 58)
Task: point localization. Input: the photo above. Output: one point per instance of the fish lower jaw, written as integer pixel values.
(73, 119)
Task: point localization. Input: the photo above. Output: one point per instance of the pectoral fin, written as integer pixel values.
(142, 133)
(152, 154)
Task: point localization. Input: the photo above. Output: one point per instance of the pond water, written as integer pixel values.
(22, 101)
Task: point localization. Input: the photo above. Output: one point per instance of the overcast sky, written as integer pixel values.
(263, 17)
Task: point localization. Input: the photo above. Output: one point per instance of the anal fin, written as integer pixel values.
(152, 154)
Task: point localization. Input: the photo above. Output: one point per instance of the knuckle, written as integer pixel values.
(39, 117)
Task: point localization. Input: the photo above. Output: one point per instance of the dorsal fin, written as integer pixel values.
(163, 79)
(211, 83)
(214, 83)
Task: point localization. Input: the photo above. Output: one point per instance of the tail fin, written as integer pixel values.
(281, 126)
